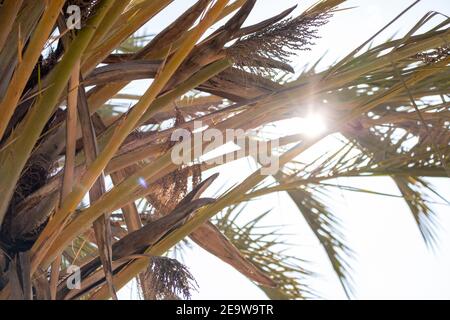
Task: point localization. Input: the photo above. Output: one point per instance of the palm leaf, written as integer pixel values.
(265, 248)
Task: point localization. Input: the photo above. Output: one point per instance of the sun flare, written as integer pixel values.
(313, 125)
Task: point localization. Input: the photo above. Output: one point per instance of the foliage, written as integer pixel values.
(83, 180)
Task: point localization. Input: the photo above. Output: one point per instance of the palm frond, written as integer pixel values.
(387, 104)
(266, 248)
(328, 230)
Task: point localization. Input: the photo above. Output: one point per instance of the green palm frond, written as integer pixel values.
(414, 191)
(266, 248)
(328, 229)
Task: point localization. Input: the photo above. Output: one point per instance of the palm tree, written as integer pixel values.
(87, 176)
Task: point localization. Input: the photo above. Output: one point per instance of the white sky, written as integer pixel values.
(392, 261)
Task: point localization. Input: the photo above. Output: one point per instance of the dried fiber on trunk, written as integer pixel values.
(170, 190)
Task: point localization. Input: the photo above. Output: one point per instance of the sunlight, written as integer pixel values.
(313, 125)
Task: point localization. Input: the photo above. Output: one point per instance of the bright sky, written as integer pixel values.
(391, 260)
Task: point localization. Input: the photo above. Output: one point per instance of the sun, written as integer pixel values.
(313, 125)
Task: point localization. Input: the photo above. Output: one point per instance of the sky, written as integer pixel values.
(390, 259)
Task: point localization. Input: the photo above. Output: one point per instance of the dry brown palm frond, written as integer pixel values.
(135, 244)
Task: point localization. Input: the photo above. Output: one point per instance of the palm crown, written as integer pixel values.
(89, 182)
